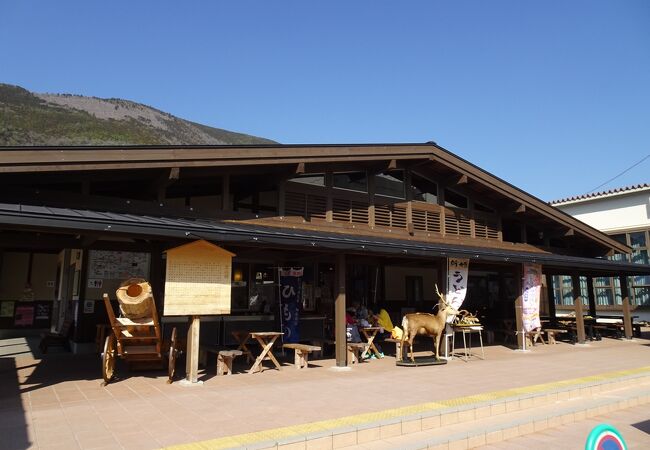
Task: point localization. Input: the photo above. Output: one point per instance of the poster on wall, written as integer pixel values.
(95, 283)
(89, 306)
(290, 296)
(24, 316)
(43, 311)
(457, 275)
(114, 265)
(7, 309)
(532, 285)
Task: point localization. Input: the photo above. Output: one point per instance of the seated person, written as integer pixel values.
(361, 314)
(351, 329)
(381, 320)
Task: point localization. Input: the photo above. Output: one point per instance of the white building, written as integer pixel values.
(624, 214)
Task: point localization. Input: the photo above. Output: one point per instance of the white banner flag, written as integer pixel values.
(457, 274)
(532, 284)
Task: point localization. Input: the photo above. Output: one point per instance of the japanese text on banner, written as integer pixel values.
(290, 295)
(457, 274)
(532, 287)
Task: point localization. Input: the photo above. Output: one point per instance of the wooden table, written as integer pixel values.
(266, 339)
(242, 338)
(370, 333)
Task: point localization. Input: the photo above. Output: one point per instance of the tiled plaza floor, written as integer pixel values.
(58, 401)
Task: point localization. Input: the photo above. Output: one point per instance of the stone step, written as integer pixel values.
(456, 423)
(460, 422)
(577, 406)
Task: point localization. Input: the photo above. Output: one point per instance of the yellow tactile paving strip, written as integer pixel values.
(323, 426)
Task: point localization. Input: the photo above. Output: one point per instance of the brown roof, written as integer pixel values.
(66, 158)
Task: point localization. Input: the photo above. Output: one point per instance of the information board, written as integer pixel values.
(198, 280)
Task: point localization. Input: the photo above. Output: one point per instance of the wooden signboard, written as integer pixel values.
(198, 280)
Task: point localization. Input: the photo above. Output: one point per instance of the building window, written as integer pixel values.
(455, 200)
(563, 290)
(390, 184)
(641, 290)
(351, 181)
(424, 189)
(608, 290)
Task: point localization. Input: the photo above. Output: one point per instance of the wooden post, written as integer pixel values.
(551, 296)
(409, 200)
(225, 192)
(627, 319)
(592, 297)
(577, 305)
(372, 186)
(519, 308)
(339, 313)
(329, 201)
(192, 359)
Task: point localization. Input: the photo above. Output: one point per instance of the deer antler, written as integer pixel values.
(442, 298)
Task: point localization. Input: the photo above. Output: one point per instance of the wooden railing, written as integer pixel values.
(354, 209)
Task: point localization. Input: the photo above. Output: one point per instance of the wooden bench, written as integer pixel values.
(324, 344)
(535, 335)
(302, 351)
(398, 347)
(551, 332)
(355, 350)
(225, 359)
(618, 331)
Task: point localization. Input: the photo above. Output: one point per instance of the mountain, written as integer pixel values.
(28, 118)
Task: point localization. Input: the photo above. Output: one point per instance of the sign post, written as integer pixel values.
(197, 283)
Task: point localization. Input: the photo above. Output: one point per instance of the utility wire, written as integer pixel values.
(622, 173)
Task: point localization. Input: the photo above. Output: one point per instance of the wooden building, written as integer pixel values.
(369, 223)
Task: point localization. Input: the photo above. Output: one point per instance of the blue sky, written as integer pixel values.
(552, 96)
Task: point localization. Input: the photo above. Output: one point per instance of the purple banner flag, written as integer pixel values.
(290, 296)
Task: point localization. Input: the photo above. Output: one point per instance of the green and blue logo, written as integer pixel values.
(605, 437)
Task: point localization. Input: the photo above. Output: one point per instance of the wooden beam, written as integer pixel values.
(225, 193)
(519, 307)
(339, 313)
(160, 184)
(192, 355)
(627, 318)
(592, 296)
(300, 169)
(551, 296)
(577, 305)
(569, 232)
(520, 209)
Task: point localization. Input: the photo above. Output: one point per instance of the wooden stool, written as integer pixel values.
(224, 361)
(301, 357)
(355, 350)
